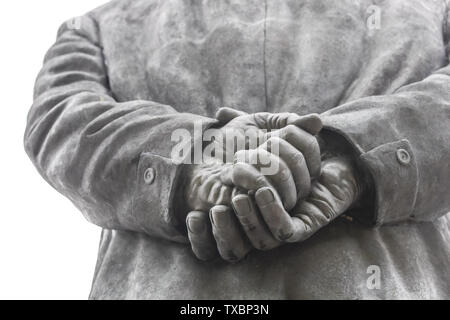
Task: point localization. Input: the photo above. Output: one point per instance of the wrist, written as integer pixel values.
(334, 145)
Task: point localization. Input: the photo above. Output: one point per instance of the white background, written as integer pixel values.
(47, 249)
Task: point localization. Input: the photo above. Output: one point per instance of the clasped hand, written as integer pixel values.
(240, 205)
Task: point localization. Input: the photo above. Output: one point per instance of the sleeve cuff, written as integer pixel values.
(152, 203)
(158, 197)
(394, 171)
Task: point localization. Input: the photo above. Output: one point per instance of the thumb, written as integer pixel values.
(310, 123)
(225, 115)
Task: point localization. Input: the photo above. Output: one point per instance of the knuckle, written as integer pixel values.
(308, 222)
(284, 235)
(304, 189)
(297, 158)
(239, 172)
(260, 181)
(274, 140)
(282, 119)
(246, 223)
(284, 174)
(250, 227)
(265, 244)
(325, 206)
(240, 156)
(313, 146)
(290, 131)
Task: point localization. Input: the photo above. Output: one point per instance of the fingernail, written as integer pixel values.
(231, 257)
(265, 196)
(196, 226)
(241, 204)
(219, 216)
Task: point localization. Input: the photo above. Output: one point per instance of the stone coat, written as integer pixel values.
(119, 80)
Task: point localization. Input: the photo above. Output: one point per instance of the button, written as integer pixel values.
(149, 176)
(403, 156)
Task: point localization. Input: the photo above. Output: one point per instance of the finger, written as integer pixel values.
(312, 123)
(331, 195)
(305, 143)
(295, 160)
(253, 224)
(232, 243)
(225, 115)
(200, 235)
(283, 227)
(207, 185)
(309, 218)
(272, 121)
(225, 175)
(276, 171)
(315, 212)
(237, 191)
(247, 177)
(269, 168)
(219, 194)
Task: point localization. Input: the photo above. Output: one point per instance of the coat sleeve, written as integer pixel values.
(403, 141)
(111, 159)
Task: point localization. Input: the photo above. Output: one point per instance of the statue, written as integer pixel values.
(254, 149)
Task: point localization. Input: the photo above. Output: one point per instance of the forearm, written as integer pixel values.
(111, 159)
(400, 139)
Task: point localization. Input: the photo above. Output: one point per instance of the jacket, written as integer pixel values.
(120, 79)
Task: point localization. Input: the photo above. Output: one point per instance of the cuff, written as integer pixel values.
(395, 175)
(158, 201)
(154, 198)
(393, 170)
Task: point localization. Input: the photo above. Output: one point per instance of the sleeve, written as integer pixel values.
(403, 142)
(111, 159)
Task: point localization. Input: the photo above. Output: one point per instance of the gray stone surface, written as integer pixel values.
(115, 86)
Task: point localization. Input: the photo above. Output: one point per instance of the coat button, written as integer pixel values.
(149, 176)
(403, 156)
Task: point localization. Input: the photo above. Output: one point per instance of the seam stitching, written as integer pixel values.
(264, 56)
(446, 21)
